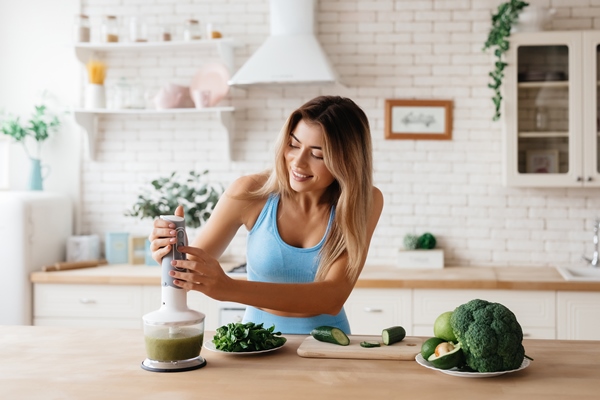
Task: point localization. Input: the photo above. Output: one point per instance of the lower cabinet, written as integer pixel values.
(116, 306)
(535, 310)
(542, 314)
(578, 316)
(372, 310)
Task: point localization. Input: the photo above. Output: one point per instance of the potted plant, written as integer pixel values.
(39, 127)
(502, 24)
(197, 196)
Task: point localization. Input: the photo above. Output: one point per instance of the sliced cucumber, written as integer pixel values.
(393, 335)
(330, 334)
(370, 344)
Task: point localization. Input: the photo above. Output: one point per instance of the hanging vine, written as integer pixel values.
(502, 23)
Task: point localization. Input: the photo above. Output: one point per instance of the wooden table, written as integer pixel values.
(85, 363)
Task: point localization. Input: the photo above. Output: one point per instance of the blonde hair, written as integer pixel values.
(348, 156)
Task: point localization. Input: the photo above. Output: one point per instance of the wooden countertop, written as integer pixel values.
(90, 363)
(511, 278)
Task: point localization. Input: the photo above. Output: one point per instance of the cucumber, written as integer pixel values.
(393, 335)
(330, 334)
(370, 344)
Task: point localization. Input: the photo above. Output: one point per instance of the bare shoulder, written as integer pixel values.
(376, 208)
(246, 184)
(240, 201)
(377, 198)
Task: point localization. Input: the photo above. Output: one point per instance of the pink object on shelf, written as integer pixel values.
(210, 81)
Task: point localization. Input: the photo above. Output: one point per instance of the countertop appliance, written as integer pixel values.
(34, 227)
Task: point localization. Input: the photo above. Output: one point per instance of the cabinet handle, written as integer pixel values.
(372, 310)
(579, 179)
(589, 179)
(526, 334)
(85, 300)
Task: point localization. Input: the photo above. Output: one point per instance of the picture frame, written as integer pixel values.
(418, 119)
(542, 161)
(137, 250)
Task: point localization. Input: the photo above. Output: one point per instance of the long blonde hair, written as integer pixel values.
(348, 156)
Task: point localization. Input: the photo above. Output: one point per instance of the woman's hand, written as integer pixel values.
(162, 236)
(204, 273)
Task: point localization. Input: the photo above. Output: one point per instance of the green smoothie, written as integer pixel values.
(169, 345)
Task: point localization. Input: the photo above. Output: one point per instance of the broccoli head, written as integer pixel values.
(489, 335)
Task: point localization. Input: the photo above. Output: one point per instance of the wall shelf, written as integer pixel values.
(86, 51)
(88, 120)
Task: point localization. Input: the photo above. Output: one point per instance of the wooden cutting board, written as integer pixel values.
(405, 350)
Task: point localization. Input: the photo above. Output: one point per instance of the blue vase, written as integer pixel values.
(36, 180)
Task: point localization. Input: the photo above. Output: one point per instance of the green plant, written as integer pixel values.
(197, 197)
(502, 23)
(39, 128)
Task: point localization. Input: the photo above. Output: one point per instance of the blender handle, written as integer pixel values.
(174, 254)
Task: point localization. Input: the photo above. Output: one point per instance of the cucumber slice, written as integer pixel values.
(393, 335)
(370, 344)
(330, 334)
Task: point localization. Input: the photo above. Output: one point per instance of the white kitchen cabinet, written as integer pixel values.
(551, 110)
(116, 306)
(535, 310)
(370, 311)
(112, 306)
(578, 315)
(88, 119)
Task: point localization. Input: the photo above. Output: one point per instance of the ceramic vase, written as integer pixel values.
(95, 96)
(35, 179)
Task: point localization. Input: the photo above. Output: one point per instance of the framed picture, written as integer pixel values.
(418, 119)
(137, 250)
(542, 162)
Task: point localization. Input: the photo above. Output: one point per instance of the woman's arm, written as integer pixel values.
(229, 214)
(289, 299)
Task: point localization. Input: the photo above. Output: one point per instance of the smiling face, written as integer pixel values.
(304, 159)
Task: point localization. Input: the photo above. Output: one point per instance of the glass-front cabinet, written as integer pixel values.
(551, 114)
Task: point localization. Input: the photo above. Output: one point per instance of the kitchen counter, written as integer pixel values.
(87, 363)
(512, 278)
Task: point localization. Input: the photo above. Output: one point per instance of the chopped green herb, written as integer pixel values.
(238, 337)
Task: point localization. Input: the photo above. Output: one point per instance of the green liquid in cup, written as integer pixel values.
(166, 345)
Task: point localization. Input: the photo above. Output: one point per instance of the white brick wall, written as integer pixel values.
(382, 49)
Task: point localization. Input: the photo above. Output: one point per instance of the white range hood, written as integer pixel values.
(291, 54)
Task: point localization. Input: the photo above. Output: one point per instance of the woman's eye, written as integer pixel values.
(317, 157)
(293, 146)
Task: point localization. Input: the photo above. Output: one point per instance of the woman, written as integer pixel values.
(310, 221)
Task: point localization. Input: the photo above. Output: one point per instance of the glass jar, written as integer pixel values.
(191, 30)
(109, 30)
(164, 34)
(138, 31)
(81, 28)
(213, 31)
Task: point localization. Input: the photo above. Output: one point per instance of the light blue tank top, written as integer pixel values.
(270, 259)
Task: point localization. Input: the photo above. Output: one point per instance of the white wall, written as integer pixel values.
(36, 55)
(426, 49)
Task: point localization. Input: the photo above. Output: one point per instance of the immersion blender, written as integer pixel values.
(173, 333)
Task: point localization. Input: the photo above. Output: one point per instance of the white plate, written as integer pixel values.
(455, 372)
(209, 345)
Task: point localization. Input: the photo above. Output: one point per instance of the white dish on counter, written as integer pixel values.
(210, 346)
(463, 374)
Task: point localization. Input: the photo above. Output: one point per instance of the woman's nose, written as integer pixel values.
(302, 157)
